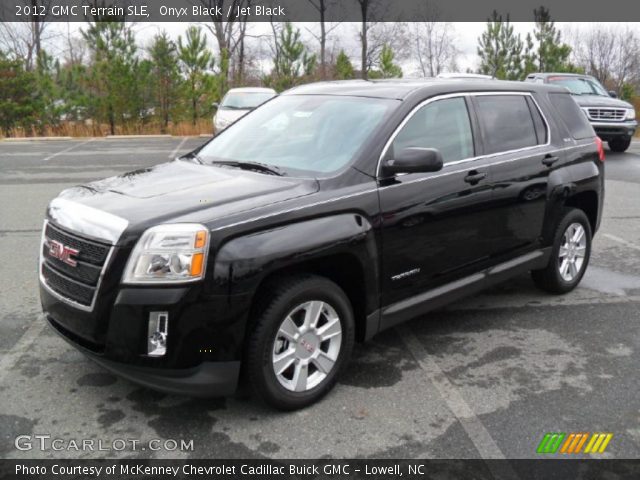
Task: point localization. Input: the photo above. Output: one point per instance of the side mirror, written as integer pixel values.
(215, 104)
(613, 94)
(415, 160)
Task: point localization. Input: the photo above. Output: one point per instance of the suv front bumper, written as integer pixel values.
(204, 340)
(609, 130)
(209, 379)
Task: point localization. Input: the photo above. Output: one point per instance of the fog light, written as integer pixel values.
(157, 337)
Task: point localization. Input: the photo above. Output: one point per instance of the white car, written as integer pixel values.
(238, 102)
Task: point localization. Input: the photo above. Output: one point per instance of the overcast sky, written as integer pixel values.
(345, 34)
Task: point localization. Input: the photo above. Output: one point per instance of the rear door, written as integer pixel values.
(516, 139)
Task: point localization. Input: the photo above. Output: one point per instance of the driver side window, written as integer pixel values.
(443, 124)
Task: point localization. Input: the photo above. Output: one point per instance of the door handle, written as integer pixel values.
(474, 177)
(549, 160)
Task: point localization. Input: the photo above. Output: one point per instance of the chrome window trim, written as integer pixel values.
(509, 160)
(465, 95)
(73, 303)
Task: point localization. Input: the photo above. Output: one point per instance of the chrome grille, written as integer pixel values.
(610, 114)
(77, 284)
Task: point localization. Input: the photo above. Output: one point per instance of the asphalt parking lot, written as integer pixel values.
(484, 378)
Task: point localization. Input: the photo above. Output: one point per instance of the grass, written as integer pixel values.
(88, 129)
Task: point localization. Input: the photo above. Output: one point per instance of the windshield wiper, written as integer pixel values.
(193, 156)
(260, 167)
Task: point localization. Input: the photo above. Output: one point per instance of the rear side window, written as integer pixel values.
(538, 121)
(507, 122)
(571, 115)
(443, 124)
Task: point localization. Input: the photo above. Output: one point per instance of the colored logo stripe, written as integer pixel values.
(550, 442)
(574, 442)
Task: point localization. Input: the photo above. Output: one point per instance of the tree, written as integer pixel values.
(388, 69)
(344, 69)
(48, 104)
(18, 102)
(165, 76)
(550, 54)
(229, 35)
(24, 39)
(195, 59)
(500, 50)
(611, 54)
(433, 45)
(364, 14)
(321, 6)
(112, 73)
(292, 60)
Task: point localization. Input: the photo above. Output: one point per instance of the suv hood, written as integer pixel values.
(168, 191)
(600, 101)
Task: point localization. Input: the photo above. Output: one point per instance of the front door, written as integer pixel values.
(435, 227)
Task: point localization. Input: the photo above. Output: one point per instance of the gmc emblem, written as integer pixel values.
(63, 253)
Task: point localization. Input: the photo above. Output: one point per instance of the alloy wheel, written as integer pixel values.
(572, 252)
(306, 346)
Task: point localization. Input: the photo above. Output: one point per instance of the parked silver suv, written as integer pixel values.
(614, 120)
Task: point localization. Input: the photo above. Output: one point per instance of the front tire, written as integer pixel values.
(301, 340)
(569, 255)
(619, 144)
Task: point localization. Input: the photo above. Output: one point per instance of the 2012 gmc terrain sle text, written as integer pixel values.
(330, 213)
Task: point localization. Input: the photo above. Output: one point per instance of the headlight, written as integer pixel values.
(172, 253)
(631, 114)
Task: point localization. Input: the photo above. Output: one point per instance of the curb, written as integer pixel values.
(119, 137)
(35, 139)
(206, 135)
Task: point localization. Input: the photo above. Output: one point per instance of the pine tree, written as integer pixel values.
(292, 60)
(195, 59)
(344, 68)
(388, 69)
(165, 77)
(18, 102)
(500, 50)
(112, 74)
(552, 54)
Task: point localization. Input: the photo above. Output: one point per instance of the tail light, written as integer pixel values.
(600, 149)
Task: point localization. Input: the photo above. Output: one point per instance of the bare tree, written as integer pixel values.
(611, 54)
(321, 6)
(379, 34)
(229, 35)
(433, 43)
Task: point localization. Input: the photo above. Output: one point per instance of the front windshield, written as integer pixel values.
(307, 134)
(580, 85)
(245, 100)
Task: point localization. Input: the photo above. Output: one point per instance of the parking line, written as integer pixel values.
(177, 149)
(10, 358)
(622, 241)
(67, 150)
(478, 434)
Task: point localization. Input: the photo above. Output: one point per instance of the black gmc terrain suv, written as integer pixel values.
(323, 217)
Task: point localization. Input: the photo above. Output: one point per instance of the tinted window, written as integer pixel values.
(507, 122)
(571, 115)
(538, 122)
(443, 124)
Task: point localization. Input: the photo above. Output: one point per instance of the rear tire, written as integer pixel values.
(619, 144)
(300, 341)
(569, 255)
